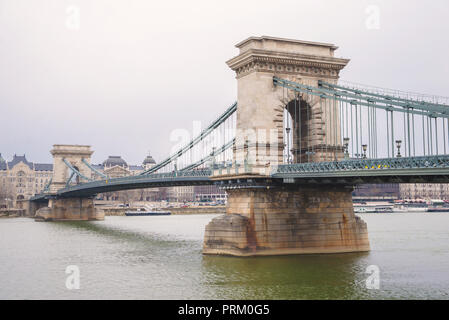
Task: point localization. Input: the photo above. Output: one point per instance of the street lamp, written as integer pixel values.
(309, 153)
(288, 144)
(346, 145)
(247, 151)
(364, 148)
(398, 145)
(212, 155)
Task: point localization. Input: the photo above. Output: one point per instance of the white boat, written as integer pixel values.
(359, 210)
(373, 209)
(410, 207)
(438, 206)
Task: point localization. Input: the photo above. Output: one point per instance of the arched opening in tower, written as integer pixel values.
(311, 131)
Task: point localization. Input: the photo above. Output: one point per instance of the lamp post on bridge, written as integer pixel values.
(398, 145)
(364, 148)
(346, 145)
(175, 166)
(309, 153)
(212, 155)
(288, 144)
(246, 160)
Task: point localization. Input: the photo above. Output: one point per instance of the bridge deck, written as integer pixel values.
(350, 172)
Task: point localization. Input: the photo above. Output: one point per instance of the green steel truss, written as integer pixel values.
(222, 118)
(175, 178)
(211, 156)
(101, 174)
(364, 98)
(75, 171)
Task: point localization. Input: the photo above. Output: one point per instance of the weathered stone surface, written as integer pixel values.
(287, 220)
(43, 214)
(69, 209)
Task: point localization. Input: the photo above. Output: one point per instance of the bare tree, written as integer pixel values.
(125, 196)
(6, 192)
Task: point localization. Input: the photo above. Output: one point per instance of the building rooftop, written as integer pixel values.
(97, 166)
(17, 159)
(4, 165)
(115, 161)
(149, 160)
(43, 167)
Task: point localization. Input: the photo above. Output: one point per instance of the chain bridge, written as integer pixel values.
(288, 153)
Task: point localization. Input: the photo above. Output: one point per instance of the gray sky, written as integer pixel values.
(127, 73)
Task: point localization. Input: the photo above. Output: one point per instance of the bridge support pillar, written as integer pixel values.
(287, 220)
(32, 207)
(71, 209)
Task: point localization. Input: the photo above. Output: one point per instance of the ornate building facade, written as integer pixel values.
(210, 193)
(411, 191)
(390, 190)
(425, 191)
(21, 179)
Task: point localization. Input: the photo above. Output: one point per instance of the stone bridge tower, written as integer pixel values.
(261, 105)
(74, 154)
(274, 218)
(65, 209)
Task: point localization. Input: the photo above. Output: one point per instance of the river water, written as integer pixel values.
(160, 258)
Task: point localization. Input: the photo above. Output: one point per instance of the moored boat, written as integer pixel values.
(147, 213)
(438, 206)
(410, 206)
(373, 209)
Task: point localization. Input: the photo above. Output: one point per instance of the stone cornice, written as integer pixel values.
(72, 150)
(277, 39)
(71, 153)
(271, 61)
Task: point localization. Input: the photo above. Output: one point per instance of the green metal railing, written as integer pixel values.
(191, 175)
(374, 166)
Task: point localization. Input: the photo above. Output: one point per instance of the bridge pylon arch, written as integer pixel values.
(74, 155)
(261, 105)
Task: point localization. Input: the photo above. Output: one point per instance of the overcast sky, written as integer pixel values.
(120, 75)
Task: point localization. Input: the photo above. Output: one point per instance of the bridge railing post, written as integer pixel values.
(237, 165)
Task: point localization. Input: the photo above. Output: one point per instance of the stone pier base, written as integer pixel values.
(287, 220)
(73, 209)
